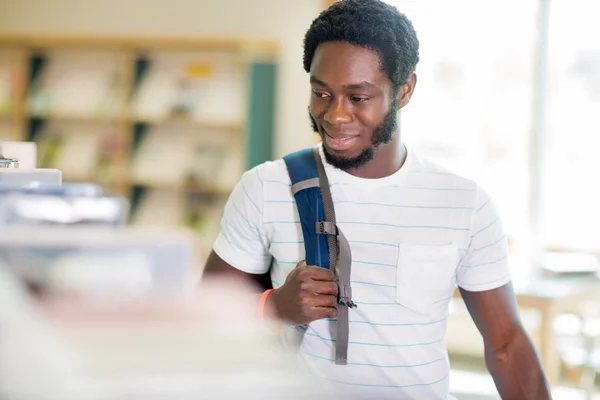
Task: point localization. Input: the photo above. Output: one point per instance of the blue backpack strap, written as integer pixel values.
(325, 244)
(303, 172)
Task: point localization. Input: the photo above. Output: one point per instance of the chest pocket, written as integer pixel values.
(425, 275)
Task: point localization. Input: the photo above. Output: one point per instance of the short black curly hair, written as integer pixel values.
(372, 24)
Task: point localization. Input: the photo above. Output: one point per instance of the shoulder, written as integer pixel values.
(425, 172)
(269, 174)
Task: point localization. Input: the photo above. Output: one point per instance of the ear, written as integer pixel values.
(406, 91)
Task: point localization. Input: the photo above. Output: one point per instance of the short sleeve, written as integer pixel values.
(241, 241)
(485, 265)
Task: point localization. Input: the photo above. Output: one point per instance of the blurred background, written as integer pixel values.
(164, 104)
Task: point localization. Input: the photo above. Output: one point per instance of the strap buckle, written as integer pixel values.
(326, 228)
(345, 296)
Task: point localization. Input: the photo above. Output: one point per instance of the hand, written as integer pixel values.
(309, 293)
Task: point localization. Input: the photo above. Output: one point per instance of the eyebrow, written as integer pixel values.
(361, 85)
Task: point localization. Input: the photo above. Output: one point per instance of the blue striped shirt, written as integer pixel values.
(414, 235)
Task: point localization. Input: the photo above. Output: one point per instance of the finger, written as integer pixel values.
(317, 273)
(323, 312)
(325, 301)
(322, 287)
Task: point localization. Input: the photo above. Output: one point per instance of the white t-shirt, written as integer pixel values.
(414, 235)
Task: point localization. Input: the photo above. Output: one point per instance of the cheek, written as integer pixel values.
(370, 118)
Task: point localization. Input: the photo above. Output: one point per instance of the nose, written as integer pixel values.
(337, 113)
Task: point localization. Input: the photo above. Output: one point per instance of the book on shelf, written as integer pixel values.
(200, 87)
(160, 207)
(8, 82)
(199, 212)
(82, 151)
(76, 84)
(7, 130)
(176, 157)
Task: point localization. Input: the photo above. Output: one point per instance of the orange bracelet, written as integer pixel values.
(261, 310)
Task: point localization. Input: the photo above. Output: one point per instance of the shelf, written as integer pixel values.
(192, 123)
(142, 42)
(139, 115)
(81, 118)
(205, 188)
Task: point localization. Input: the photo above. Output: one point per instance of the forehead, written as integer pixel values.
(345, 64)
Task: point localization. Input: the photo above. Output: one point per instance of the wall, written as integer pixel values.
(285, 20)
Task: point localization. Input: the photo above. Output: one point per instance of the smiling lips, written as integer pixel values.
(340, 142)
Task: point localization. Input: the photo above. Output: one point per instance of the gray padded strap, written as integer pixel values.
(340, 258)
(313, 182)
(345, 301)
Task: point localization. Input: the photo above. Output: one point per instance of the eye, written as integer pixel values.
(358, 99)
(320, 95)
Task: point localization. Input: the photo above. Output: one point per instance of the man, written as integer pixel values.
(415, 229)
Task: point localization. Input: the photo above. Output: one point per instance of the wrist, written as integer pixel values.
(267, 312)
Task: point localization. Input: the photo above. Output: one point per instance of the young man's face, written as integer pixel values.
(353, 105)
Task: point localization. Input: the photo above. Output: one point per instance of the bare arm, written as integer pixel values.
(509, 353)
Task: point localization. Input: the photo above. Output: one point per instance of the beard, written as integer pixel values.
(382, 135)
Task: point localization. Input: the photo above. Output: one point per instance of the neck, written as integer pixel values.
(387, 160)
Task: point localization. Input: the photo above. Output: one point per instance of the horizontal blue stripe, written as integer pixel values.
(366, 203)
(288, 184)
(358, 262)
(379, 224)
(402, 226)
(402, 205)
(483, 283)
(232, 244)
(377, 365)
(383, 386)
(435, 189)
(424, 188)
(238, 231)
(377, 344)
(403, 324)
(373, 263)
(366, 303)
(373, 284)
(375, 243)
(349, 241)
(485, 263)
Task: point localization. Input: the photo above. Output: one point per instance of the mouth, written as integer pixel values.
(340, 142)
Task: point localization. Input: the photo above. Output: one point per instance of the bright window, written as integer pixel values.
(472, 105)
(571, 144)
(477, 100)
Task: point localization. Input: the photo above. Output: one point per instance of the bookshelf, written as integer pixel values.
(168, 122)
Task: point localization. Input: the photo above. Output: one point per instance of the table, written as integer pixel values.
(552, 294)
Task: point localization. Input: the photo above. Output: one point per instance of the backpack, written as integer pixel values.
(324, 243)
